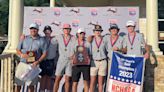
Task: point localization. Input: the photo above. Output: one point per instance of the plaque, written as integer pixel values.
(31, 56)
(81, 56)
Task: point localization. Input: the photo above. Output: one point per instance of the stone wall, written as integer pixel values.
(159, 74)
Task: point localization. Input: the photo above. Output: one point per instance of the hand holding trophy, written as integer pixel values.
(31, 56)
(81, 56)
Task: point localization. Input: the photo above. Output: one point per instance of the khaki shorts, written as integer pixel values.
(98, 68)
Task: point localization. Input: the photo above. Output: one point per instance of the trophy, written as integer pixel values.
(31, 56)
(81, 56)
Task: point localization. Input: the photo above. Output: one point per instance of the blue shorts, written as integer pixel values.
(47, 67)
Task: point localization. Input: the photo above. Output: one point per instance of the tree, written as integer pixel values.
(4, 12)
(4, 8)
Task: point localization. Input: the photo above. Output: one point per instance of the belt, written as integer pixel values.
(100, 59)
(50, 59)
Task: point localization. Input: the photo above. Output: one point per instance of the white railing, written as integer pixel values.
(6, 73)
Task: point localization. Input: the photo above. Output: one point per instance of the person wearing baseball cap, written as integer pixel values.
(130, 23)
(30, 53)
(114, 41)
(48, 65)
(99, 62)
(81, 56)
(34, 26)
(66, 26)
(65, 42)
(134, 43)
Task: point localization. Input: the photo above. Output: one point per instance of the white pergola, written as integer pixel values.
(16, 11)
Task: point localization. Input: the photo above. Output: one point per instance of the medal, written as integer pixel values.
(98, 44)
(97, 50)
(131, 42)
(66, 42)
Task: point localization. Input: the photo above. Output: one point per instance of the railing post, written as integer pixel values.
(2, 75)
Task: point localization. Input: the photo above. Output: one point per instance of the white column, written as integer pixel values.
(16, 24)
(152, 23)
(52, 3)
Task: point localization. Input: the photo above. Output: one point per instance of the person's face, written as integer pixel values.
(66, 31)
(114, 31)
(33, 32)
(47, 33)
(130, 29)
(81, 35)
(97, 33)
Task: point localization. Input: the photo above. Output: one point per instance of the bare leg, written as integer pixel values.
(48, 86)
(92, 83)
(56, 84)
(17, 88)
(31, 89)
(43, 83)
(67, 83)
(86, 86)
(74, 86)
(100, 83)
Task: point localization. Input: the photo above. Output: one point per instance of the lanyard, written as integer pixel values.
(66, 42)
(131, 41)
(98, 44)
(113, 41)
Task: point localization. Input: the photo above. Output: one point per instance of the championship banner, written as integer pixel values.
(126, 73)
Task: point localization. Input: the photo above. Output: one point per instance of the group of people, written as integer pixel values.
(56, 54)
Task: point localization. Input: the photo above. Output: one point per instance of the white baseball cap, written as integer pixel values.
(130, 23)
(34, 25)
(80, 30)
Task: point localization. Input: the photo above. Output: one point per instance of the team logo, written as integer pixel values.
(112, 9)
(93, 23)
(38, 10)
(94, 12)
(57, 11)
(132, 11)
(56, 23)
(75, 23)
(75, 10)
(38, 21)
(112, 21)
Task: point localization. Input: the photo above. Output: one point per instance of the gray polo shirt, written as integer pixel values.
(138, 45)
(52, 47)
(118, 43)
(101, 52)
(38, 45)
(65, 52)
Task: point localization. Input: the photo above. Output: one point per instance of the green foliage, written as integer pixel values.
(4, 12)
(4, 8)
(161, 9)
